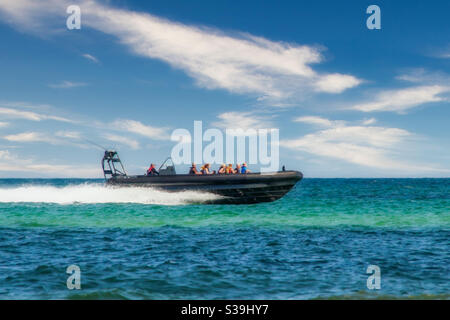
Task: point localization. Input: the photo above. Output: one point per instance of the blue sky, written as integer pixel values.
(348, 101)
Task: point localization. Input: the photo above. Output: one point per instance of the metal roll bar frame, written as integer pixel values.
(108, 165)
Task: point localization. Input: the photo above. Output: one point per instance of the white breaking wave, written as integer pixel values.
(99, 193)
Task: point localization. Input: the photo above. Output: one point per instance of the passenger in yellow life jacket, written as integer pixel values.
(229, 169)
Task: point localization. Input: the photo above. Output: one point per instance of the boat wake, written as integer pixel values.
(90, 193)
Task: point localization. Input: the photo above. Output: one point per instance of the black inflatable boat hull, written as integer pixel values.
(233, 189)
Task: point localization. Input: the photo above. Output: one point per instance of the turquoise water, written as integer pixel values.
(316, 242)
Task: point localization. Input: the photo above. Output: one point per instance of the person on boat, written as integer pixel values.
(193, 169)
(152, 171)
(229, 169)
(205, 169)
(238, 168)
(222, 169)
(244, 168)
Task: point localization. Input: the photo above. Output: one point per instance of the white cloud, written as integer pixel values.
(30, 137)
(90, 57)
(336, 83)
(5, 155)
(242, 120)
(69, 134)
(440, 53)
(368, 146)
(25, 105)
(3, 124)
(154, 133)
(315, 120)
(12, 113)
(29, 115)
(59, 138)
(403, 99)
(425, 77)
(239, 62)
(10, 163)
(133, 144)
(30, 15)
(67, 85)
(369, 121)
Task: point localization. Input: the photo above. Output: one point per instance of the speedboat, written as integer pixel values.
(244, 188)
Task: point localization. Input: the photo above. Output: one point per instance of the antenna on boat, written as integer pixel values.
(95, 144)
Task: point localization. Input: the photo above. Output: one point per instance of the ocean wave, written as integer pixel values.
(90, 193)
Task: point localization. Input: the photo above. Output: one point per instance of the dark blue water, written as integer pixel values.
(317, 242)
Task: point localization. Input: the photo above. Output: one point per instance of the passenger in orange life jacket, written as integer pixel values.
(152, 171)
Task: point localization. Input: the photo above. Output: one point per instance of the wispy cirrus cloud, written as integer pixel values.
(401, 100)
(74, 135)
(238, 62)
(324, 122)
(25, 105)
(16, 113)
(31, 137)
(364, 145)
(424, 77)
(369, 121)
(133, 144)
(67, 84)
(137, 127)
(427, 87)
(440, 53)
(320, 121)
(11, 164)
(243, 120)
(63, 137)
(90, 57)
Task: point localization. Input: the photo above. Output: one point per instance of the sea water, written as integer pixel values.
(139, 243)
